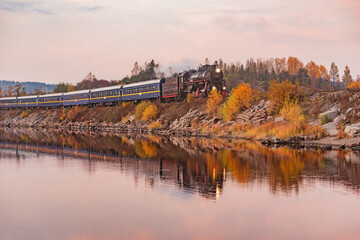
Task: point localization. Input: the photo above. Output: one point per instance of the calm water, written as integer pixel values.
(64, 186)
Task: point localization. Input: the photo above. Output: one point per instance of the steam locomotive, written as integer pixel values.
(197, 82)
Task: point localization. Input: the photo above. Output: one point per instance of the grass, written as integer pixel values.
(285, 130)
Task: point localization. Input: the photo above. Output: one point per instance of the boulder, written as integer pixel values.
(353, 129)
(349, 111)
(331, 114)
(339, 119)
(331, 128)
(279, 119)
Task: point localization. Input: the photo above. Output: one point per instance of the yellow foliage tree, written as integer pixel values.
(354, 84)
(149, 113)
(213, 101)
(240, 99)
(71, 88)
(292, 112)
(279, 93)
(140, 108)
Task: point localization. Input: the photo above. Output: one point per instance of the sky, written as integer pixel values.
(62, 40)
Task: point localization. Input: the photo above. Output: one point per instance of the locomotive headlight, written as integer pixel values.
(217, 70)
(224, 88)
(214, 88)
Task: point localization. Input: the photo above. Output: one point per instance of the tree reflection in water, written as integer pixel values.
(194, 165)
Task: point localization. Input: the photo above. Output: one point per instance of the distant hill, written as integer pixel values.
(29, 86)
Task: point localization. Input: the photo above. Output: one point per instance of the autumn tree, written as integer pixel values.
(70, 88)
(347, 78)
(280, 65)
(61, 87)
(136, 69)
(38, 91)
(313, 70)
(19, 90)
(323, 72)
(240, 99)
(294, 65)
(213, 101)
(334, 73)
(10, 91)
(281, 92)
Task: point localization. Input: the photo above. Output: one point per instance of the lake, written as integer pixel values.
(58, 185)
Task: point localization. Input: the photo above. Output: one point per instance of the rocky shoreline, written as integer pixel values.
(341, 108)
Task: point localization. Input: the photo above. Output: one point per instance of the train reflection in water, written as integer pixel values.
(195, 166)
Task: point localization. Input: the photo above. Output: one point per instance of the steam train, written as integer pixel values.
(198, 82)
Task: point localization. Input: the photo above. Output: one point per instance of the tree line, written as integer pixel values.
(258, 73)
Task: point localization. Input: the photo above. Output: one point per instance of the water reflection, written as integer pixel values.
(193, 165)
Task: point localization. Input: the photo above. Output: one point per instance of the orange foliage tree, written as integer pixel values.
(323, 72)
(313, 71)
(294, 65)
(213, 101)
(279, 93)
(240, 99)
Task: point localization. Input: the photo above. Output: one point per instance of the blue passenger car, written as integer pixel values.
(27, 101)
(50, 100)
(76, 98)
(105, 95)
(8, 102)
(142, 90)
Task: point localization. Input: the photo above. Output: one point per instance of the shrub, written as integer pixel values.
(240, 99)
(324, 118)
(239, 128)
(72, 113)
(279, 93)
(286, 130)
(63, 114)
(213, 101)
(125, 104)
(25, 113)
(189, 98)
(149, 113)
(354, 85)
(341, 134)
(156, 124)
(292, 112)
(140, 108)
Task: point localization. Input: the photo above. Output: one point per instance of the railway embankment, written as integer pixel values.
(332, 121)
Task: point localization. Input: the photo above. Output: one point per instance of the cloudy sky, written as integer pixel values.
(62, 40)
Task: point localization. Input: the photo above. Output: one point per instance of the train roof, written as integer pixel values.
(27, 97)
(8, 98)
(77, 92)
(52, 95)
(106, 88)
(142, 83)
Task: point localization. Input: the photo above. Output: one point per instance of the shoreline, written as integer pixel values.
(298, 142)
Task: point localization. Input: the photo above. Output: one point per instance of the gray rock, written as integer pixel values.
(349, 111)
(131, 118)
(331, 114)
(353, 129)
(279, 119)
(339, 119)
(331, 128)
